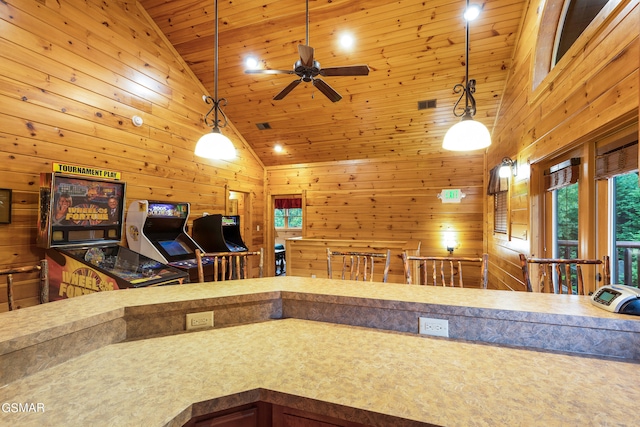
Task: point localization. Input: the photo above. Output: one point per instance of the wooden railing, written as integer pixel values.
(625, 261)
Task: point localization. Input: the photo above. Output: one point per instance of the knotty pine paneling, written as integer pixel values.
(594, 89)
(376, 200)
(72, 74)
(414, 49)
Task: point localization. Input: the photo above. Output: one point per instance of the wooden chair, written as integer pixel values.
(42, 269)
(355, 263)
(229, 265)
(437, 265)
(556, 275)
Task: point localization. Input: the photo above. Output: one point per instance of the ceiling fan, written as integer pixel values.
(308, 70)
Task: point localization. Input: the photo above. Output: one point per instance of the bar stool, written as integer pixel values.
(229, 265)
(437, 265)
(358, 265)
(555, 275)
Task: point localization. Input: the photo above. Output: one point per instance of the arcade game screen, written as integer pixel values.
(174, 247)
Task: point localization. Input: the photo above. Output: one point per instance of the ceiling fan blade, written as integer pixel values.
(351, 70)
(327, 90)
(269, 72)
(284, 92)
(306, 55)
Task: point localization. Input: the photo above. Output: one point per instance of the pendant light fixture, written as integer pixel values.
(467, 134)
(215, 145)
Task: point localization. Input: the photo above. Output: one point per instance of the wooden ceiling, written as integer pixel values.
(415, 51)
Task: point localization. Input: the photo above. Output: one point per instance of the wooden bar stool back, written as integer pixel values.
(358, 266)
(556, 275)
(43, 275)
(434, 267)
(229, 265)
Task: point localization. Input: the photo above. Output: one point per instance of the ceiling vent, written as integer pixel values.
(263, 126)
(423, 105)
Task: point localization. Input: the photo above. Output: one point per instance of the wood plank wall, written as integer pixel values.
(593, 91)
(72, 74)
(385, 200)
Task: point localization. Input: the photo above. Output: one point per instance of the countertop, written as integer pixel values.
(69, 314)
(164, 380)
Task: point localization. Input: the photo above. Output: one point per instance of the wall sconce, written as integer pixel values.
(450, 241)
(508, 167)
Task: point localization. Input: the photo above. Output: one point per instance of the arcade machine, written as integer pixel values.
(158, 230)
(218, 233)
(80, 226)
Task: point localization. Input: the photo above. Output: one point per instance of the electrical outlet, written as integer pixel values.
(199, 320)
(435, 327)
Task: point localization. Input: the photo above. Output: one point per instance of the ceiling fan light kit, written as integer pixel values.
(308, 70)
(215, 145)
(468, 134)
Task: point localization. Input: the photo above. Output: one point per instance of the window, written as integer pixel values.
(617, 168)
(591, 206)
(626, 229)
(288, 218)
(499, 188)
(500, 212)
(576, 16)
(288, 213)
(561, 183)
(565, 214)
(565, 21)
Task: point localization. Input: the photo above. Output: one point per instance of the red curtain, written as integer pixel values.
(288, 203)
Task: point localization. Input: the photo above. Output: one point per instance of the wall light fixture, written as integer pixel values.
(508, 167)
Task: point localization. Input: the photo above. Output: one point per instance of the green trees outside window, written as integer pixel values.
(288, 218)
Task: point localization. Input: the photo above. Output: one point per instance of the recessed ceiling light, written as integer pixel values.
(251, 63)
(346, 41)
(277, 148)
(471, 13)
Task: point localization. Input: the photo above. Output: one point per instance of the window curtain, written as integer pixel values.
(288, 203)
(497, 184)
(562, 174)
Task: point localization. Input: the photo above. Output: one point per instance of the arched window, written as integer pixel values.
(562, 24)
(576, 16)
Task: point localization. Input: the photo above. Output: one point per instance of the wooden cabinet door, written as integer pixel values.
(244, 418)
(289, 417)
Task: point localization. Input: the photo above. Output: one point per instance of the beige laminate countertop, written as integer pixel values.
(151, 382)
(28, 326)
(154, 382)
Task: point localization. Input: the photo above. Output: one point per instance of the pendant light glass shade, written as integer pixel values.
(214, 145)
(467, 135)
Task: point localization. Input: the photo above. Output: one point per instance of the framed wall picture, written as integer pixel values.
(5, 206)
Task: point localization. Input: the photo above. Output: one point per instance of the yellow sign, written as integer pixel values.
(85, 171)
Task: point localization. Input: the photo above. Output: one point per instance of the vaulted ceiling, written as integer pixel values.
(415, 51)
